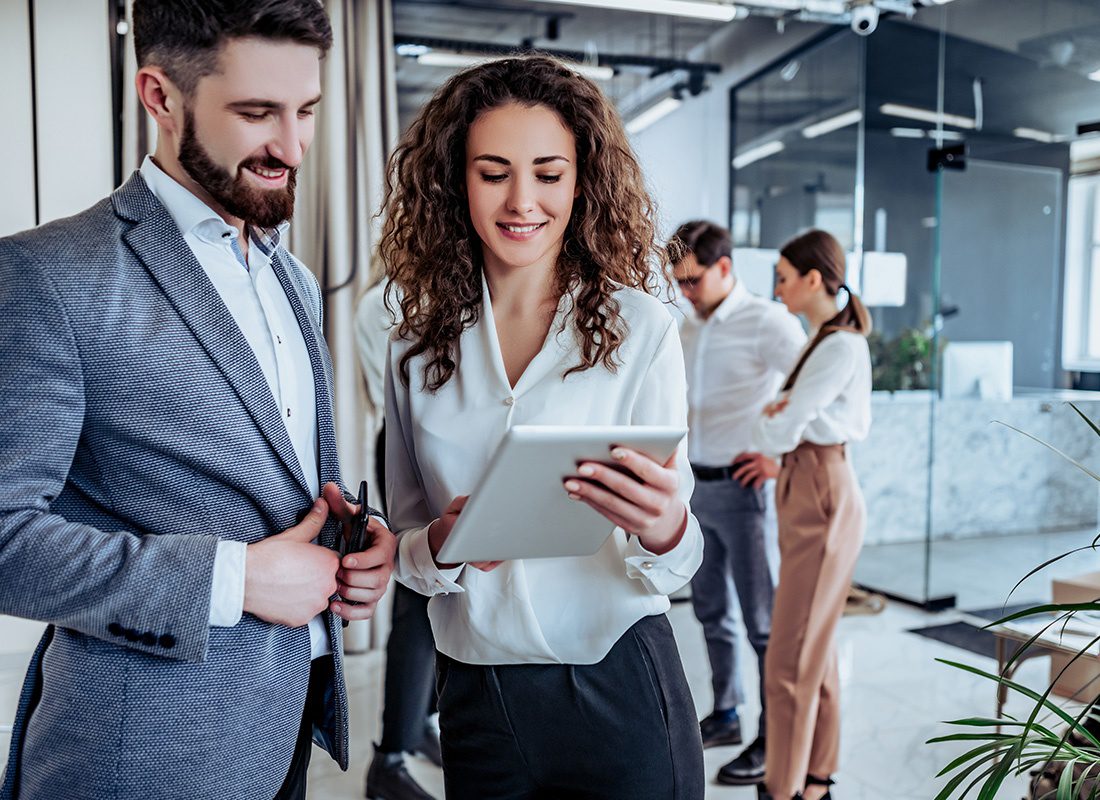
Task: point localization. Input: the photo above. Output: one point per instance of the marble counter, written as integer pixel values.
(987, 479)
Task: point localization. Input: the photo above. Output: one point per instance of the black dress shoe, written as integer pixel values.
(716, 730)
(747, 768)
(387, 779)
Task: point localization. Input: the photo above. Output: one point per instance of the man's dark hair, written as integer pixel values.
(707, 241)
(185, 37)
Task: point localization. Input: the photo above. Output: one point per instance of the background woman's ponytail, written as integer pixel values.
(819, 250)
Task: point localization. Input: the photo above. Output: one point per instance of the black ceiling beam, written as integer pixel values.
(657, 64)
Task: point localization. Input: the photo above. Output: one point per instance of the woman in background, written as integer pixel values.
(520, 238)
(825, 403)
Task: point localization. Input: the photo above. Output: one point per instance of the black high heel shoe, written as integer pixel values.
(812, 780)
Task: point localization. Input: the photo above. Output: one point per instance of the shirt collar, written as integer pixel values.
(734, 300)
(192, 215)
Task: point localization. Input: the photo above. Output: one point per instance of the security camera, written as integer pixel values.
(864, 19)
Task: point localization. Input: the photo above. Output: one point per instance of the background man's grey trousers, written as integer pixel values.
(735, 575)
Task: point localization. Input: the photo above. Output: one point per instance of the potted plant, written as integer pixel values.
(1065, 765)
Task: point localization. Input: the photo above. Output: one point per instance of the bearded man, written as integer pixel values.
(170, 494)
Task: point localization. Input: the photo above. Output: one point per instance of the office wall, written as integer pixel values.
(73, 104)
(686, 155)
(17, 200)
(57, 139)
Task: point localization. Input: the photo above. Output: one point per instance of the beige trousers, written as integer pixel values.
(821, 523)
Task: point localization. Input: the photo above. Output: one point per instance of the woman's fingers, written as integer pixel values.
(625, 486)
(623, 513)
(662, 478)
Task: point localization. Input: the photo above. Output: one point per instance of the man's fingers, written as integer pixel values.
(380, 553)
(350, 612)
(341, 508)
(360, 595)
(310, 527)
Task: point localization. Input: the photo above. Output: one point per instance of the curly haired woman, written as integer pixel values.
(521, 241)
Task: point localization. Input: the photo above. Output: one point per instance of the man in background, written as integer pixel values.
(737, 350)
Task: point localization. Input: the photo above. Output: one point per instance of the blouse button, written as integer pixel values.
(509, 401)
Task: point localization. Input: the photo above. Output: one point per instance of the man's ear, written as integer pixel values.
(725, 265)
(160, 97)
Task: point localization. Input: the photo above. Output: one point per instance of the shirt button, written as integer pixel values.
(509, 401)
(288, 413)
(647, 565)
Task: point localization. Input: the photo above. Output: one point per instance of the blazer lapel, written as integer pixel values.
(160, 246)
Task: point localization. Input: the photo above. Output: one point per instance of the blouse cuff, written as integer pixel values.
(417, 569)
(668, 572)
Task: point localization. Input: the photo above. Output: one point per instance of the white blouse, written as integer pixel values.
(830, 402)
(535, 611)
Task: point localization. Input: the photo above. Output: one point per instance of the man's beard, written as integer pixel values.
(264, 208)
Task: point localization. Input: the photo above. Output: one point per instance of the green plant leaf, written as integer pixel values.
(1053, 449)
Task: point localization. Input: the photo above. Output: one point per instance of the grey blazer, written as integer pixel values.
(136, 428)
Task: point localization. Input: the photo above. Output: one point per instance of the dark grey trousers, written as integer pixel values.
(735, 575)
(622, 729)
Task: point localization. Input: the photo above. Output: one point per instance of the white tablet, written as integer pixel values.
(520, 508)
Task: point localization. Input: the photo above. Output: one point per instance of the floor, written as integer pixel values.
(895, 694)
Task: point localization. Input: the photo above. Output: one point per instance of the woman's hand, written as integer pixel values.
(771, 409)
(439, 530)
(754, 469)
(637, 493)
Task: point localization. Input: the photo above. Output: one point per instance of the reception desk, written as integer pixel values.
(986, 478)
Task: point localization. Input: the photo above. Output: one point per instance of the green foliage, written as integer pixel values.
(1009, 747)
(902, 363)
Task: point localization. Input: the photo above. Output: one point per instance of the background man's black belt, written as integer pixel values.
(713, 473)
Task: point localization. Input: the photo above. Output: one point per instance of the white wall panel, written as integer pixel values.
(73, 98)
(17, 132)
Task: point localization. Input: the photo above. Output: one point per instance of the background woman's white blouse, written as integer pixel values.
(830, 402)
(556, 610)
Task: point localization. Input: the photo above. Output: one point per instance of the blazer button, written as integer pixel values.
(115, 629)
(132, 635)
(148, 639)
(167, 641)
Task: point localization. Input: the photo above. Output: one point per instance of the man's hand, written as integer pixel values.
(754, 469)
(363, 577)
(287, 579)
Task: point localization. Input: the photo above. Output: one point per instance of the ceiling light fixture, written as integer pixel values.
(699, 9)
(657, 111)
(442, 58)
(754, 154)
(1046, 137)
(927, 115)
(832, 124)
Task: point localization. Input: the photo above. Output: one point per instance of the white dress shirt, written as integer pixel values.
(553, 610)
(830, 402)
(736, 361)
(260, 307)
(373, 324)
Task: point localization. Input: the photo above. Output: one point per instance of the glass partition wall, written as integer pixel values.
(944, 153)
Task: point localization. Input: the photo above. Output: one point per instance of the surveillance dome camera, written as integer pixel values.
(864, 19)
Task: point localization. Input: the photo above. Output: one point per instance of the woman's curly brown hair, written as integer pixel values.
(433, 255)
